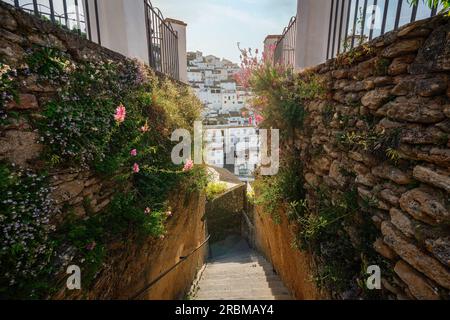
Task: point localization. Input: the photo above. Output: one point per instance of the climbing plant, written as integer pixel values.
(433, 3)
(113, 118)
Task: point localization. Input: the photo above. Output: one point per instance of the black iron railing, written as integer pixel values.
(162, 42)
(285, 47)
(353, 22)
(67, 13)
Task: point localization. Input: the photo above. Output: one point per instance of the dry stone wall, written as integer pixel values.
(383, 128)
(77, 190)
(396, 86)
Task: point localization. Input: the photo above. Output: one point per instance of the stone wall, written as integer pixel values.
(274, 241)
(130, 263)
(134, 264)
(383, 128)
(224, 214)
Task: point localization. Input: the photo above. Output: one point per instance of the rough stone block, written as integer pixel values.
(414, 256)
(418, 285)
(439, 179)
(425, 205)
(402, 47)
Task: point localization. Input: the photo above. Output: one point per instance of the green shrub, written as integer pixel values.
(26, 248)
(79, 129)
(215, 189)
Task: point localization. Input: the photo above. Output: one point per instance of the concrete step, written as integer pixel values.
(240, 275)
(245, 298)
(254, 285)
(242, 278)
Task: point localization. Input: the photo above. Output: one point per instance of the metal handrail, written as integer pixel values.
(160, 15)
(286, 43)
(286, 29)
(162, 275)
(162, 42)
(43, 10)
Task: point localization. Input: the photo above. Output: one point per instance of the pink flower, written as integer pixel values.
(91, 246)
(148, 211)
(259, 119)
(188, 166)
(136, 168)
(120, 114)
(133, 152)
(145, 128)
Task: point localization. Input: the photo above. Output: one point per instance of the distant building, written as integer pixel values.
(213, 81)
(231, 139)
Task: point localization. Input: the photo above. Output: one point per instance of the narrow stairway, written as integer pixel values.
(237, 272)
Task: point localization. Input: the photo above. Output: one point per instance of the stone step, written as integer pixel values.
(240, 274)
(244, 258)
(253, 298)
(230, 285)
(242, 278)
(239, 266)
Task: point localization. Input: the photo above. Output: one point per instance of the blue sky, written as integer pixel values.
(215, 26)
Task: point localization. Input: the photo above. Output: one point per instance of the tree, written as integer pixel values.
(433, 3)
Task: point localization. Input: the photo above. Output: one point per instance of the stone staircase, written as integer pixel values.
(236, 272)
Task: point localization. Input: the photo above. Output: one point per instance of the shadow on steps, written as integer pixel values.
(236, 272)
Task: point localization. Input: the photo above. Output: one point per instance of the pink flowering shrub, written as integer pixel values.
(261, 75)
(278, 93)
(120, 114)
(109, 118)
(188, 166)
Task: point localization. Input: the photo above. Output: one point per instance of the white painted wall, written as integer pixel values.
(122, 26)
(180, 28)
(123, 29)
(312, 32)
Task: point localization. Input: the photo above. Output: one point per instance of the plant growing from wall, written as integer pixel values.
(26, 248)
(434, 4)
(8, 89)
(280, 94)
(112, 118)
(215, 189)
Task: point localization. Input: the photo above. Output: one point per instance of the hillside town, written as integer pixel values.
(232, 137)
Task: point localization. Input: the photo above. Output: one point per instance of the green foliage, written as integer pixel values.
(48, 63)
(283, 96)
(383, 145)
(79, 129)
(8, 89)
(433, 3)
(274, 192)
(25, 245)
(215, 189)
(323, 232)
(381, 67)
